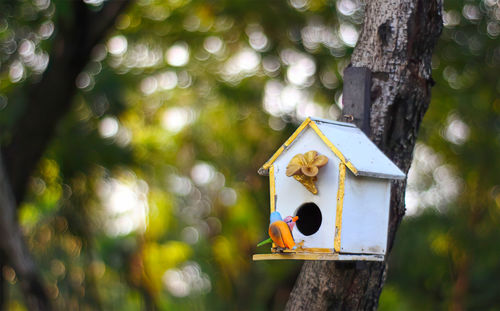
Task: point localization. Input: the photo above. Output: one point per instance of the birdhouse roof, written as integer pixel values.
(349, 144)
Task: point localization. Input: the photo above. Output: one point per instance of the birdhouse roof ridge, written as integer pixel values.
(320, 120)
(349, 144)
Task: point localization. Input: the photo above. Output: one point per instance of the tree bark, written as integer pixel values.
(15, 251)
(396, 44)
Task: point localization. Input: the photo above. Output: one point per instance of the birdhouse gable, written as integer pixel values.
(317, 212)
(349, 144)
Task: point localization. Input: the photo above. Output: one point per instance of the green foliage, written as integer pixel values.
(445, 254)
(148, 194)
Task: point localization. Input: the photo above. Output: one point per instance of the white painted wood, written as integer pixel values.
(365, 215)
(359, 149)
(291, 194)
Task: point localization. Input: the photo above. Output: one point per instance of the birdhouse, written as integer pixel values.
(338, 183)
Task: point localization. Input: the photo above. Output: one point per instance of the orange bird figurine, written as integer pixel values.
(281, 231)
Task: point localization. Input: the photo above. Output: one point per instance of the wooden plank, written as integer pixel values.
(340, 206)
(365, 217)
(308, 250)
(272, 189)
(317, 256)
(356, 97)
(358, 150)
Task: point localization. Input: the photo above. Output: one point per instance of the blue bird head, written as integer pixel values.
(275, 216)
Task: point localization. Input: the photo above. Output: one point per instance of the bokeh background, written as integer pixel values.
(148, 194)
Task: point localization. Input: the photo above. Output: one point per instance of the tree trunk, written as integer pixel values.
(48, 102)
(50, 99)
(15, 250)
(396, 44)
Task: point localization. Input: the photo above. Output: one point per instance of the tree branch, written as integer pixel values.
(50, 99)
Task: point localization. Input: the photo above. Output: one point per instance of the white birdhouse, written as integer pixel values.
(338, 183)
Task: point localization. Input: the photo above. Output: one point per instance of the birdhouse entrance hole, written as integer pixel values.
(309, 218)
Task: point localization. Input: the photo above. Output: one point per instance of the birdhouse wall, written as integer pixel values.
(290, 195)
(365, 215)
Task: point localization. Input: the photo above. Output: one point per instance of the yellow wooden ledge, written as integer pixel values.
(316, 256)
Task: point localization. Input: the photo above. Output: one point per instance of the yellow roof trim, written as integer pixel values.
(287, 143)
(273, 158)
(333, 148)
(292, 138)
(272, 187)
(340, 206)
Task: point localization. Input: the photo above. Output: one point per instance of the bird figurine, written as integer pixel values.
(280, 231)
(290, 221)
